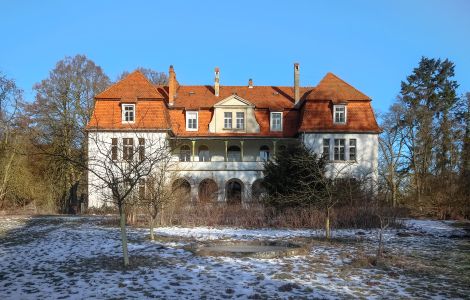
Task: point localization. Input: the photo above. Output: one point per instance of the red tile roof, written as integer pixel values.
(314, 114)
(133, 87)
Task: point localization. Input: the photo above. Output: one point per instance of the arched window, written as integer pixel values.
(233, 153)
(181, 190)
(208, 191)
(264, 153)
(234, 191)
(204, 154)
(258, 191)
(185, 153)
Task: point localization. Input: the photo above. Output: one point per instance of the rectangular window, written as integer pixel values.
(127, 148)
(128, 113)
(141, 149)
(352, 149)
(276, 121)
(340, 113)
(191, 120)
(240, 120)
(339, 149)
(114, 148)
(227, 120)
(141, 189)
(326, 148)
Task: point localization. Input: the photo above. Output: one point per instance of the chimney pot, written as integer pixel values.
(250, 83)
(216, 82)
(172, 85)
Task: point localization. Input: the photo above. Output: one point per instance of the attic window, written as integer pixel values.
(339, 114)
(191, 93)
(191, 120)
(128, 113)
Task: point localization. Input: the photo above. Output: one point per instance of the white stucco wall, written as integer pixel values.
(99, 155)
(367, 147)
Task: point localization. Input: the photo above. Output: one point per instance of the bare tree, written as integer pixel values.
(57, 118)
(115, 174)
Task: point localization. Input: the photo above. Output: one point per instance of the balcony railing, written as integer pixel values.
(221, 165)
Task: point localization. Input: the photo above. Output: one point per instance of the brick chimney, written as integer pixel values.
(250, 83)
(172, 86)
(216, 82)
(296, 83)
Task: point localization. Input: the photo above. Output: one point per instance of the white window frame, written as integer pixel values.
(336, 110)
(339, 146)
(353, 147)
(237, 118)
(327, 147)
(192, 113)
(124, 106)
(228, 118)
(271, 118)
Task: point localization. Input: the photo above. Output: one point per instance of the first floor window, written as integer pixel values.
(276, 121)
(339, 149)
(114, 148)
(127, 148)
(352, 149)
(326, 148)
(185, 153)
(264, 153)
(191, 120)
(141, 149)
(240, 120)
(128, 113)
(141, 189)
(227, 120)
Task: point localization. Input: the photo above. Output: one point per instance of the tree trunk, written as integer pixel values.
(327, 224)
(122, 222)
(151, 225)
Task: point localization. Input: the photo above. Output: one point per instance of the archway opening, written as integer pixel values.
(233, 191)
(182, 190)
(208, 191)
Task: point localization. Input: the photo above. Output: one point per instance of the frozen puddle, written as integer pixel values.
(258, 249)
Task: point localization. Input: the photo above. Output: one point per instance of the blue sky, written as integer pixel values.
(371, 44)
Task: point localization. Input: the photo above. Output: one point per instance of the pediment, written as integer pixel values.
(234, 101)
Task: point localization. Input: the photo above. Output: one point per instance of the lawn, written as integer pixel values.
(66, 257)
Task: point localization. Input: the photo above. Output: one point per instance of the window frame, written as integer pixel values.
(353, 147)
(345, 112)
(128, 149)
(200, 153)
(230, 119)
(195, 113)
(271, 120)
(237, 118)
(114, 149)
(239, 155)
(264, 153)
(123, 116)
(186, 151)
(339, 149)
(327, 153)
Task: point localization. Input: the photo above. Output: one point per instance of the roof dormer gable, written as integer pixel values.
(234, 101)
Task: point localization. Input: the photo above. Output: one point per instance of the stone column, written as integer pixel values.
(241, 150)
(226, 149)
(274, 148)
(193, 143)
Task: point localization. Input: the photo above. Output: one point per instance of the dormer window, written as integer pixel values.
(339, 114)
(276, 121)
(128, 113)
(191, 120)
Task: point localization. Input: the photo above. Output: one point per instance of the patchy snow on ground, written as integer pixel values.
(78, 258)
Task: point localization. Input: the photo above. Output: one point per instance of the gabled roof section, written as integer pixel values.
(234, 100)
(133, 87)
(333, 88)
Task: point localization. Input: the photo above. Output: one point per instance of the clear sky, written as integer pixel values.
(371, 44)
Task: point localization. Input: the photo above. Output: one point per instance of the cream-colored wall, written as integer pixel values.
(233, 105)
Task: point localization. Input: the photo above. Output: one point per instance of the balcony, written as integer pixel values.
(220, 165)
